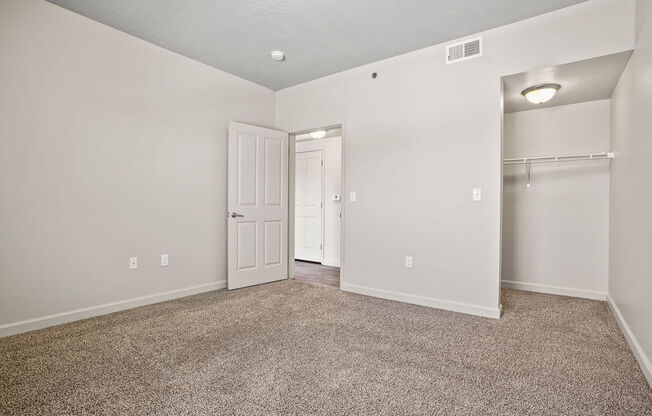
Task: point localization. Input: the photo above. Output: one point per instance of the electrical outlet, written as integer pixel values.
(408, 262)
(164, 260)
(133, 263)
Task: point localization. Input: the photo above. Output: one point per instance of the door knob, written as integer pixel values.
(235, 215)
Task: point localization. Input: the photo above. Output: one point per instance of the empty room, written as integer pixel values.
(282, 207)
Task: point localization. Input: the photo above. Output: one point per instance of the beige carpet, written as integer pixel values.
(295, 348)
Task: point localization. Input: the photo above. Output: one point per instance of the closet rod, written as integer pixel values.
(567, 158)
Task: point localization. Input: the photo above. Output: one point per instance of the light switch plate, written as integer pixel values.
(353, 196)
(164, 260)
(133, 263)
(477, 194)
(408, 262)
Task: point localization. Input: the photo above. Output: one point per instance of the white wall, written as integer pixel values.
(421, 136)
(630, 266)
(332, 155)
(556, 233)
(332, 209)
(110, 147)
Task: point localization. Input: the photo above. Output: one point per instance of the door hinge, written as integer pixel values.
(321, 205)
(322, 163)
(321, 247)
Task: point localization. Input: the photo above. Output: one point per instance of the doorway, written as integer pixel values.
(316, 206)
(261, 205)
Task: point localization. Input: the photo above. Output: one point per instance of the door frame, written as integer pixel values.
(291, 188)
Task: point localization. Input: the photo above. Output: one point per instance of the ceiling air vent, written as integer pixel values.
(462, 51)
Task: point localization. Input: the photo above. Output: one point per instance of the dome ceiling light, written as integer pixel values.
(538, 94)
(319, 134)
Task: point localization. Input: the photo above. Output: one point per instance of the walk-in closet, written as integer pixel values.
(556, 168)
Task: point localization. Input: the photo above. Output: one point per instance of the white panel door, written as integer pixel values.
(308, 206)
(257, 205)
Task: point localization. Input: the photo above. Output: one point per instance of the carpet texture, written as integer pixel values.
(292, 348)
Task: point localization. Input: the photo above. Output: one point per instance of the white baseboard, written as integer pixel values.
(642, 359)
(77, 314)
(423, 301)
(554, 290)
(331, 262)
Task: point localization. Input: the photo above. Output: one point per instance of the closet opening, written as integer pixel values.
(316, 205)
(556, 166)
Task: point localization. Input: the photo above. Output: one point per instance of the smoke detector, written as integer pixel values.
(278, 56)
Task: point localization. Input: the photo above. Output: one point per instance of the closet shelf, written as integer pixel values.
(552, 159)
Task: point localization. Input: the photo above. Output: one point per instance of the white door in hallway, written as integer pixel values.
(257, 205)
(308, 206)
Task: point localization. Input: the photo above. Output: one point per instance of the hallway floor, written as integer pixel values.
(308, 272)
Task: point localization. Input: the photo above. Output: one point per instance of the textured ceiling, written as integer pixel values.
(318, 37)
(588, 80)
